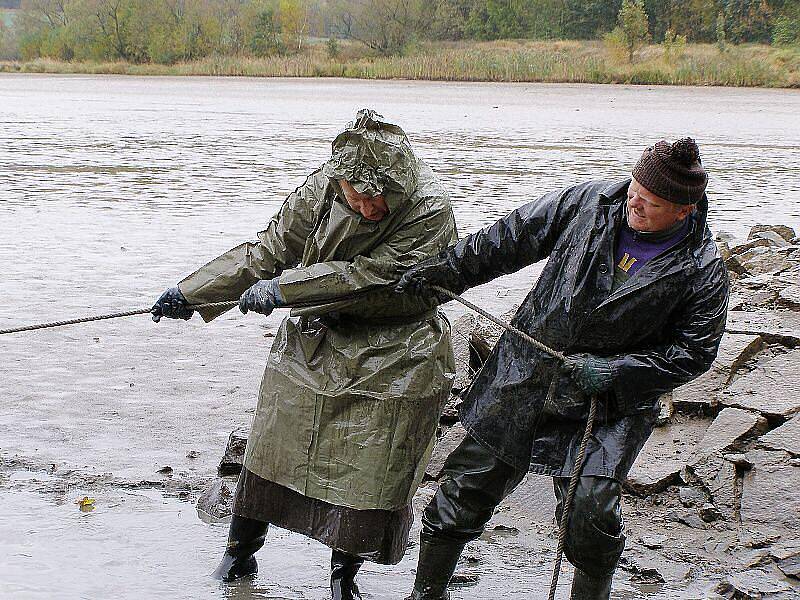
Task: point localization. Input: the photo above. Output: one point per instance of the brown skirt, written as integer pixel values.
(380, 536)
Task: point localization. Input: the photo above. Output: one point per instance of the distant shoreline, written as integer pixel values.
(750, 65)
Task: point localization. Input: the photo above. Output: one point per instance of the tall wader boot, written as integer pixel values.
(595, 537)
(437, 562)
(344, 568)
(245, 537)
(474, 483)
(589, 588)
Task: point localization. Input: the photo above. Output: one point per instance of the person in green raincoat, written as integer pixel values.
(357, 376)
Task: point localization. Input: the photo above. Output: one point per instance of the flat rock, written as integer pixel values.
(767, 262)
(233, 459)
(718, 477)
(444, 446)
(691, 496)
(748, 245)
(772, 389)
(532, 503)
(781, 326)
(727, 431)
(753, 584)
(663, 456)
(773, 238)
(787, 233)
(701, 394)
(786, 437)
(461, 332)
(771, 495)
(790, 297)
(217, 500)
(790, 566)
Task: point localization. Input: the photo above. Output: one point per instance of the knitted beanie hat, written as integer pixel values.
(673, 171)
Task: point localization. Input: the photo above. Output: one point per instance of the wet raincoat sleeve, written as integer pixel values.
(278, 247)
(342, 283)
(525, 236)
(640, 377)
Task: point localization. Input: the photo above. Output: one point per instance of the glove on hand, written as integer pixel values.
(262, 297)
(431, 271)
(173, 305)
(591, 373)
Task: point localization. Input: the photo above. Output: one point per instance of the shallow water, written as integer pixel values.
(113, 188)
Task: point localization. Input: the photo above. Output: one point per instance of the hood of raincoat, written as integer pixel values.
(375, 157)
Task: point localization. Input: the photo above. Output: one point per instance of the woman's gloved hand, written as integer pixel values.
(262, 297)
(593, 374)
(173, 305)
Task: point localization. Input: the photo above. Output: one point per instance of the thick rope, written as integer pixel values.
(578, 466)
(128, 313)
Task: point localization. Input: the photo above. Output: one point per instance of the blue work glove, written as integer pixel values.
(262, 297)
(173, 305)
(593, 374)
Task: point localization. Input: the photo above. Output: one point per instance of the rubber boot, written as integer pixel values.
(589, 588)
(437, 563)
(245, 537)
(344, 568)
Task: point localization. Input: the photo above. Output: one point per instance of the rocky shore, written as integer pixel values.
(715, 493)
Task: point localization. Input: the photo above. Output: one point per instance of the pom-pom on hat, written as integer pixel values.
(673, 171)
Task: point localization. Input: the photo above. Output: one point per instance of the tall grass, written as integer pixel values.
(512, 61)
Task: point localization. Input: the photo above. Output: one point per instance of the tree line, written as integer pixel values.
(169, 31)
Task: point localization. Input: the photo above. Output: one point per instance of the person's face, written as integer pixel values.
(651, 213)
(372, 208)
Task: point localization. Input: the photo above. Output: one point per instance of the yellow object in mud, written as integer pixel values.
(85, 504)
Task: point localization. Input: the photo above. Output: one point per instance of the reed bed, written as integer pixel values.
(504, 61)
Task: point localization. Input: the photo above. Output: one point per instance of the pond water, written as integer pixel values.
(114, 188)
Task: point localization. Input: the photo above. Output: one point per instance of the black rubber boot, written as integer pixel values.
(245, 537)
(344, 568)
(437, 562)
(589, 588)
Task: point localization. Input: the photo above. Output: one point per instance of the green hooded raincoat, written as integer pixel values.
(356, 379)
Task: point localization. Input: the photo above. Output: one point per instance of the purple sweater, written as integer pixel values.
(634, 249)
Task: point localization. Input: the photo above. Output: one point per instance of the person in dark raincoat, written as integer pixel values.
(357, 376)
(635, 293)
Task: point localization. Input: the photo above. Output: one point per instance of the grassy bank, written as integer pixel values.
(555, 62)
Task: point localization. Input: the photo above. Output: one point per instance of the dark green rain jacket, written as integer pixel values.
(354, 385)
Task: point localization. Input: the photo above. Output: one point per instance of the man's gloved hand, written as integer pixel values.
(431, 271)
(173, 305)
(593, 374)
(262, 297)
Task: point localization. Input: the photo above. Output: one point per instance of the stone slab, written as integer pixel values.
(727, 431)
(532, 503)
(701, 394)
(790, 297)
(753, 584)
(786, 232)
(786, 437)
(233, 459)
(663, 456)
(771, 494)
(444, 446)
(781, 326)
(217, 500)
(461, 332)
(772, 389)
(718, 476)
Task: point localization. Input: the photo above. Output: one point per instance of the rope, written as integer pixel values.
(587, 433)
(127, 313)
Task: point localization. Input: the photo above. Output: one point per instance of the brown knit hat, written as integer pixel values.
(673, 171)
